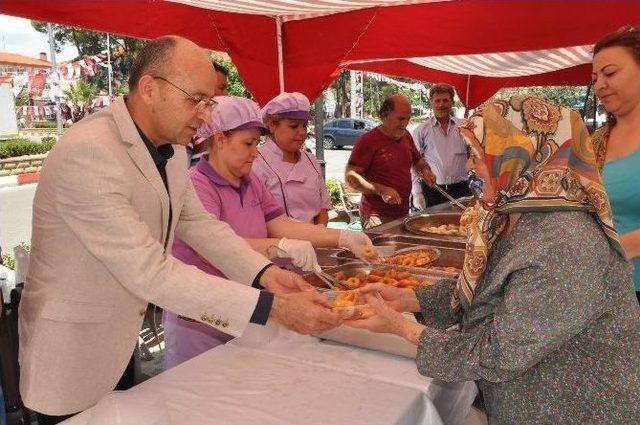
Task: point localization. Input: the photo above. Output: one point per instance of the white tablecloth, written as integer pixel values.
(273, 376)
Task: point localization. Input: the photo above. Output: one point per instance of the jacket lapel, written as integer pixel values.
(141, 158)
(177, 169)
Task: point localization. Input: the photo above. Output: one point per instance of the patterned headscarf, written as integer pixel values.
(600, 139)
(540, 159)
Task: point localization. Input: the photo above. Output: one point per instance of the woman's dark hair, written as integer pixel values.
(627, 37)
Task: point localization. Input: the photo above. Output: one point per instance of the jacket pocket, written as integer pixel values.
(76, 311)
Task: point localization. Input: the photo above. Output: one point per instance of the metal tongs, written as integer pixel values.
(326, 278)
(449, 197)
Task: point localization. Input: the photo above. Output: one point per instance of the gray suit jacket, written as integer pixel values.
(100, 217)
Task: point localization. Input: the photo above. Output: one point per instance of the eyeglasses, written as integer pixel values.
(199, 103)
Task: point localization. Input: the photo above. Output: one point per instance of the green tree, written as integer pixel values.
(23, 99)
(89, 43)
(80, 92)
(236, 85)
(569, 96)
(374, 92)
(342, 88)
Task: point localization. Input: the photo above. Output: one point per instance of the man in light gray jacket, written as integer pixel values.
(112, 194)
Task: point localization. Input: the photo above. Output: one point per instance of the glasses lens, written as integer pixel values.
(205, 105)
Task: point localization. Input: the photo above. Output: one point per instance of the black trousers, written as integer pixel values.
(126, 381)
(456, 190)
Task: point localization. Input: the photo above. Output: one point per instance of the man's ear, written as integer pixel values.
(145, 88)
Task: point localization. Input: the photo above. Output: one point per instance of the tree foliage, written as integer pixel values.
(89, 43)
(376, 91)
(569, 96)
(374, 94)
(80, 92)
(236, 86)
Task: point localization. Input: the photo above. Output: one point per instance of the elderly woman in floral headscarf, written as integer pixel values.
(549, 325)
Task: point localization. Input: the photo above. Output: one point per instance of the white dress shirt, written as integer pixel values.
(444, 151)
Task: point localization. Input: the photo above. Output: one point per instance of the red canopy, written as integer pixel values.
(299, 45)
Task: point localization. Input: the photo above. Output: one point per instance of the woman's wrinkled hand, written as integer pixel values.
(399, 299)
(387, 320)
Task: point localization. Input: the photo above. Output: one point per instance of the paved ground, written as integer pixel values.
(15, 215)
(335, 163)
(151, 357)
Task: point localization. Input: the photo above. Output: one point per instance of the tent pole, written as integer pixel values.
(319, 131)
(466, 96)
(54, 70)
(586, 101)
(109, 64)
(595, 110)
(352, 94)
(280, 53)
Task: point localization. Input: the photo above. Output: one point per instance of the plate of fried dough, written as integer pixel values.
(349, 304)
(387, 275)
(419, 256)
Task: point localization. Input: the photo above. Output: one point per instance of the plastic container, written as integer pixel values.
(342, 305)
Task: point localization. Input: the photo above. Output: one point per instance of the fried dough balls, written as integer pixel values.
(388, 276)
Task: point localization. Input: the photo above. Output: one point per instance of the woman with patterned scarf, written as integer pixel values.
(548, 323)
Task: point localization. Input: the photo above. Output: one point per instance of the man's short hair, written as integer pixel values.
(441, 88)
(151, 59)
(221, 69)
(388, 106)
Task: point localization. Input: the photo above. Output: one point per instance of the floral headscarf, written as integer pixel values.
(540, 159)
(600, 139)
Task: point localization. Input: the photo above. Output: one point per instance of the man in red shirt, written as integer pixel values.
(380, 165)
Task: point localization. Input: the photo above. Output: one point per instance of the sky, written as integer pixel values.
(18, 36)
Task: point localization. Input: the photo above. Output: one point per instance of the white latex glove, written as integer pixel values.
(418, 201)
(301, 253)
(359, 244)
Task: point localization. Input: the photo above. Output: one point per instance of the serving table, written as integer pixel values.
(274, 376)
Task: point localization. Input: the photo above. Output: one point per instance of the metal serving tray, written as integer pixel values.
(451, 256)
(327, 257)
(403, 240)
(415, 223)
(435, 254)
(388, 232)
(351, 269)
(386, 249)
(388, 343)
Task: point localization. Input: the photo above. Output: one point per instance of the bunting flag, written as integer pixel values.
(49, 111)
(88, 66)
(411, 86)
(44, 83)
(37, 83)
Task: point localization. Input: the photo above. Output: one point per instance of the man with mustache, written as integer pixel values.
(439, 143)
